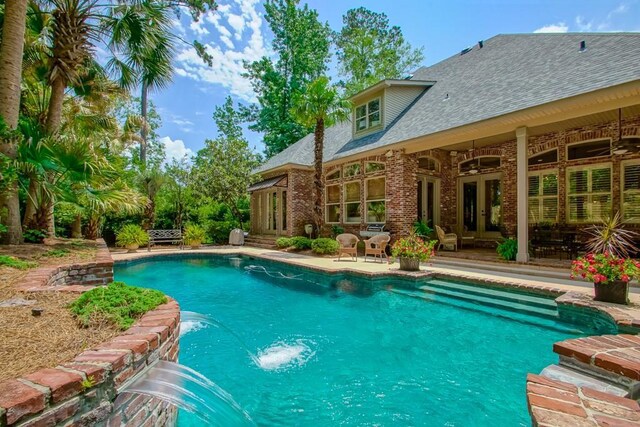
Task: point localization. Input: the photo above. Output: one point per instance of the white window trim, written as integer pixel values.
(338, 171)
(589, 193)
(566, 150)
(367, 201)
(623, 164)
(540, 196)
(345, 202)
(384, 167)
(540, 153)
(367, 114)
(344, 168)
(326, 204)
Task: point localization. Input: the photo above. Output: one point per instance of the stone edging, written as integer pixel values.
(72, 277)
(82, 392)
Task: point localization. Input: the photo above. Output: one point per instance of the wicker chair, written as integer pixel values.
(377, 246)
(447, 238)
(348, 245)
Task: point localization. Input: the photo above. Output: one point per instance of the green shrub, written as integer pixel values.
(34, 236)
(421, 228)
(194, 234)
(132, 234)
(301, 242)
(116, 303)
(284, 242)
(218, 231)
(508, 249)
(56, 253)
(3, 229)
(336, 230)
(324, 246)
(14, 262)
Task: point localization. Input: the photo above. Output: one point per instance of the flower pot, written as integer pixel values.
(616, 292)
(409, 264)
(132, 247)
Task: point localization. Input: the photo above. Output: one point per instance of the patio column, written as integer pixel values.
(522, 138)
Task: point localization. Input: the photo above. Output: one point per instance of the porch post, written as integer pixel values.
(522, 136)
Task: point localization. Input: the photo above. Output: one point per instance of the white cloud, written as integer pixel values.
(175, 149)
(583, 24)
(560, 27)
(198, 27)
(182, 122)
(228, 57)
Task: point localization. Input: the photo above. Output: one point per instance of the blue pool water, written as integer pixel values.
(345, 351)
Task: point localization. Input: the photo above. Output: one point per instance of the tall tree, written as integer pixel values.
(320, 106)
(301, 45)
(224, 168)
(369, 50)
(11, 49)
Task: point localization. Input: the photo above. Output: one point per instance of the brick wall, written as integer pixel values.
(62, 395)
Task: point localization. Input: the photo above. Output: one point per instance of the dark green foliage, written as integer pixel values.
(117, 303)
(34, 236)
(508, 249)
(3, 228)
(324, 246)
(56, 253)
(422, 228)
(284, 242)
(14, 262)
(336, 230)
(301, 242)
(218, 231)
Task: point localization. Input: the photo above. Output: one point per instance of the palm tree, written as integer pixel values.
(319, 105)
(150, 181)
(143, 48)
(11, 50)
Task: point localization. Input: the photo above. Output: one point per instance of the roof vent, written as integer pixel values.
(481, 44)
(446, 97)
(467, 50)
(583, 46)
(408, 76)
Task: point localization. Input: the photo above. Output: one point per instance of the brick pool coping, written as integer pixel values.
(83, 391)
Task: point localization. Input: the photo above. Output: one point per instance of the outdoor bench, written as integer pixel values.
(165, 236)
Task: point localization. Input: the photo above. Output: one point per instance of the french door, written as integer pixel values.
(429, 200)
(480, 205)
(273, 211)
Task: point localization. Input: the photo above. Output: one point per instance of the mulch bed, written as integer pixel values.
(28, 342)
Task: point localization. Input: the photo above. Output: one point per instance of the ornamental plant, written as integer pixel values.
(194, 234)
(413, 247)
(605, 268)
(132, 234)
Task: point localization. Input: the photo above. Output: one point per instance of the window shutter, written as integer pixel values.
(534, 210)
(534, 185)
(631, 193)
(550, 209)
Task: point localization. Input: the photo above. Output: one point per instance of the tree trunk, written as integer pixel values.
(76, 227)
(93, 227)
(32, 200)
(11, 50)
(54, 113)
(317, 163)
(149, 219)
(143, 132)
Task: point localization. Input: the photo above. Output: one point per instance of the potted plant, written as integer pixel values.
(422, 229)
(411, 250)
(131, 237)
(610, 275)
(194, 235)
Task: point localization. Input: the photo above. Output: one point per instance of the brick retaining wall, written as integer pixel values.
(83, 391)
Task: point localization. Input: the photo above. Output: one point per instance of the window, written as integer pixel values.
(480, 163)
(333, 175)
(352, 170)
(368, 115)
(585, 150)
(332, 201)
(375, 196)
(284, 210)
(631, 191)
(543, 197)
(352, 210)
(427, 163)
(589, 193)
(371, 167)
(544, 158)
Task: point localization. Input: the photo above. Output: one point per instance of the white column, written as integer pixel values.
(522, 194)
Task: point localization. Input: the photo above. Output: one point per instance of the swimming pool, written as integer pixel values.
(343, 350)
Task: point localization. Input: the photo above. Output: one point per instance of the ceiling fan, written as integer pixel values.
(621, 145)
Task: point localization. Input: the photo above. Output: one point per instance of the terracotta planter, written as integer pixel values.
(132, 248)
(616, 292)
(409, 264)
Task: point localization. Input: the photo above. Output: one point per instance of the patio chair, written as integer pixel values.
(348, 245)
(447, 238)
(377, 246)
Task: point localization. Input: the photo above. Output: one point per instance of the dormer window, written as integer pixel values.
(368, 115)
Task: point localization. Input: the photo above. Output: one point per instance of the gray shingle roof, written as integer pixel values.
(510, 73)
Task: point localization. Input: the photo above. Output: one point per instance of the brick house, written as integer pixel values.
(517, 130)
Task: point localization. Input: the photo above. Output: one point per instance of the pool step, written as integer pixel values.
(482, 291)
(580, 379)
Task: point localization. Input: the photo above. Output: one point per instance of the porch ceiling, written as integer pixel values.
(592, 119)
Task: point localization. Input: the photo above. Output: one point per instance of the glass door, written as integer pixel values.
(428, 200)
(480, 202)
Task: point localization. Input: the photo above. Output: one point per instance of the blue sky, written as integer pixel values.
(237, 32)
